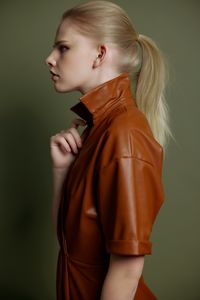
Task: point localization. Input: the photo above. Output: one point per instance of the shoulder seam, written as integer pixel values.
(125, 156)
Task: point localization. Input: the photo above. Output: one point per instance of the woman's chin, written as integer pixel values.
(60, 89)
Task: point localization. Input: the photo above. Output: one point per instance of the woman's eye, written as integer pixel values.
(63, 48)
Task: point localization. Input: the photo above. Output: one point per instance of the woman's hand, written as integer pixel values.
(65, 145)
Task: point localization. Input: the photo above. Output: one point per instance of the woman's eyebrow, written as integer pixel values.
(58, 42)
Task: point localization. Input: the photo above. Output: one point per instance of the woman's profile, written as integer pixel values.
(107, 182)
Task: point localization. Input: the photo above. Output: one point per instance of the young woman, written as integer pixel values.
(107, 187)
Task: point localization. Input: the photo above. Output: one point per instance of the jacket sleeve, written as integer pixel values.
(129, 196)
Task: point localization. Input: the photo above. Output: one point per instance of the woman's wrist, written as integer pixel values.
(60, 170)
(58, 176)
(58, 173)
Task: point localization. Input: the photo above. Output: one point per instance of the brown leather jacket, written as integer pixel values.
(113, 192)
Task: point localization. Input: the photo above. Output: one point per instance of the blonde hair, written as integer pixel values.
(106, 22)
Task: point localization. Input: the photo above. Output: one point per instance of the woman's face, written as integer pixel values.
(72, 59)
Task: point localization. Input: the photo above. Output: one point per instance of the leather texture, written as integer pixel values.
(113, 192)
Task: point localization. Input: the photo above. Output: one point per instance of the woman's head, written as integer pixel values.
(103, 43)
(73, 58)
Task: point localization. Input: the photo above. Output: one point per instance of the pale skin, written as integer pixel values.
(82, 64)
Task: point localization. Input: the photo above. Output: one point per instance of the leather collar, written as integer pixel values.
(99, 101)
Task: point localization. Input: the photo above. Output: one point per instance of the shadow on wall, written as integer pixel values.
(27, 267)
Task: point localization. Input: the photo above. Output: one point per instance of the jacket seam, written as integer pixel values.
(126, 156)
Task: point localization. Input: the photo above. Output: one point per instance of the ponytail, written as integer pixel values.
(150, 88)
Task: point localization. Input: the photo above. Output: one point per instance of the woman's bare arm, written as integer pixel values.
(122, 278)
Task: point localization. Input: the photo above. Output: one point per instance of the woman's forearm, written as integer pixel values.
(119, 287)
(123, 276)
(59, 176)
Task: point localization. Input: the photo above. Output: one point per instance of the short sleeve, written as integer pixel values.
(129, 196)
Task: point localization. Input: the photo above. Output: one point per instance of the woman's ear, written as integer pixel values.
(101, 56)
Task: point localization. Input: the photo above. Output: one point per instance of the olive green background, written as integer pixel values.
(31, 111)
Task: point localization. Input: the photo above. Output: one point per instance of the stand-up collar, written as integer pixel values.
(102, 99)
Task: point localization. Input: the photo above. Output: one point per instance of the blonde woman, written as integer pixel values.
(107, 182)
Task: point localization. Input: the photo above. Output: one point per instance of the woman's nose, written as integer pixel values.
(49, 61)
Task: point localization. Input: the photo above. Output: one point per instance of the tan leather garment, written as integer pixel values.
(113, 192)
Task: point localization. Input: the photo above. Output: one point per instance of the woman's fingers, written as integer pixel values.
(73, 140)
(76, 136)
(71, 137)
(59, 139)
(74, 125)
(69, 140)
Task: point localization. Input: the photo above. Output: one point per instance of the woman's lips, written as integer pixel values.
(54, 75)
